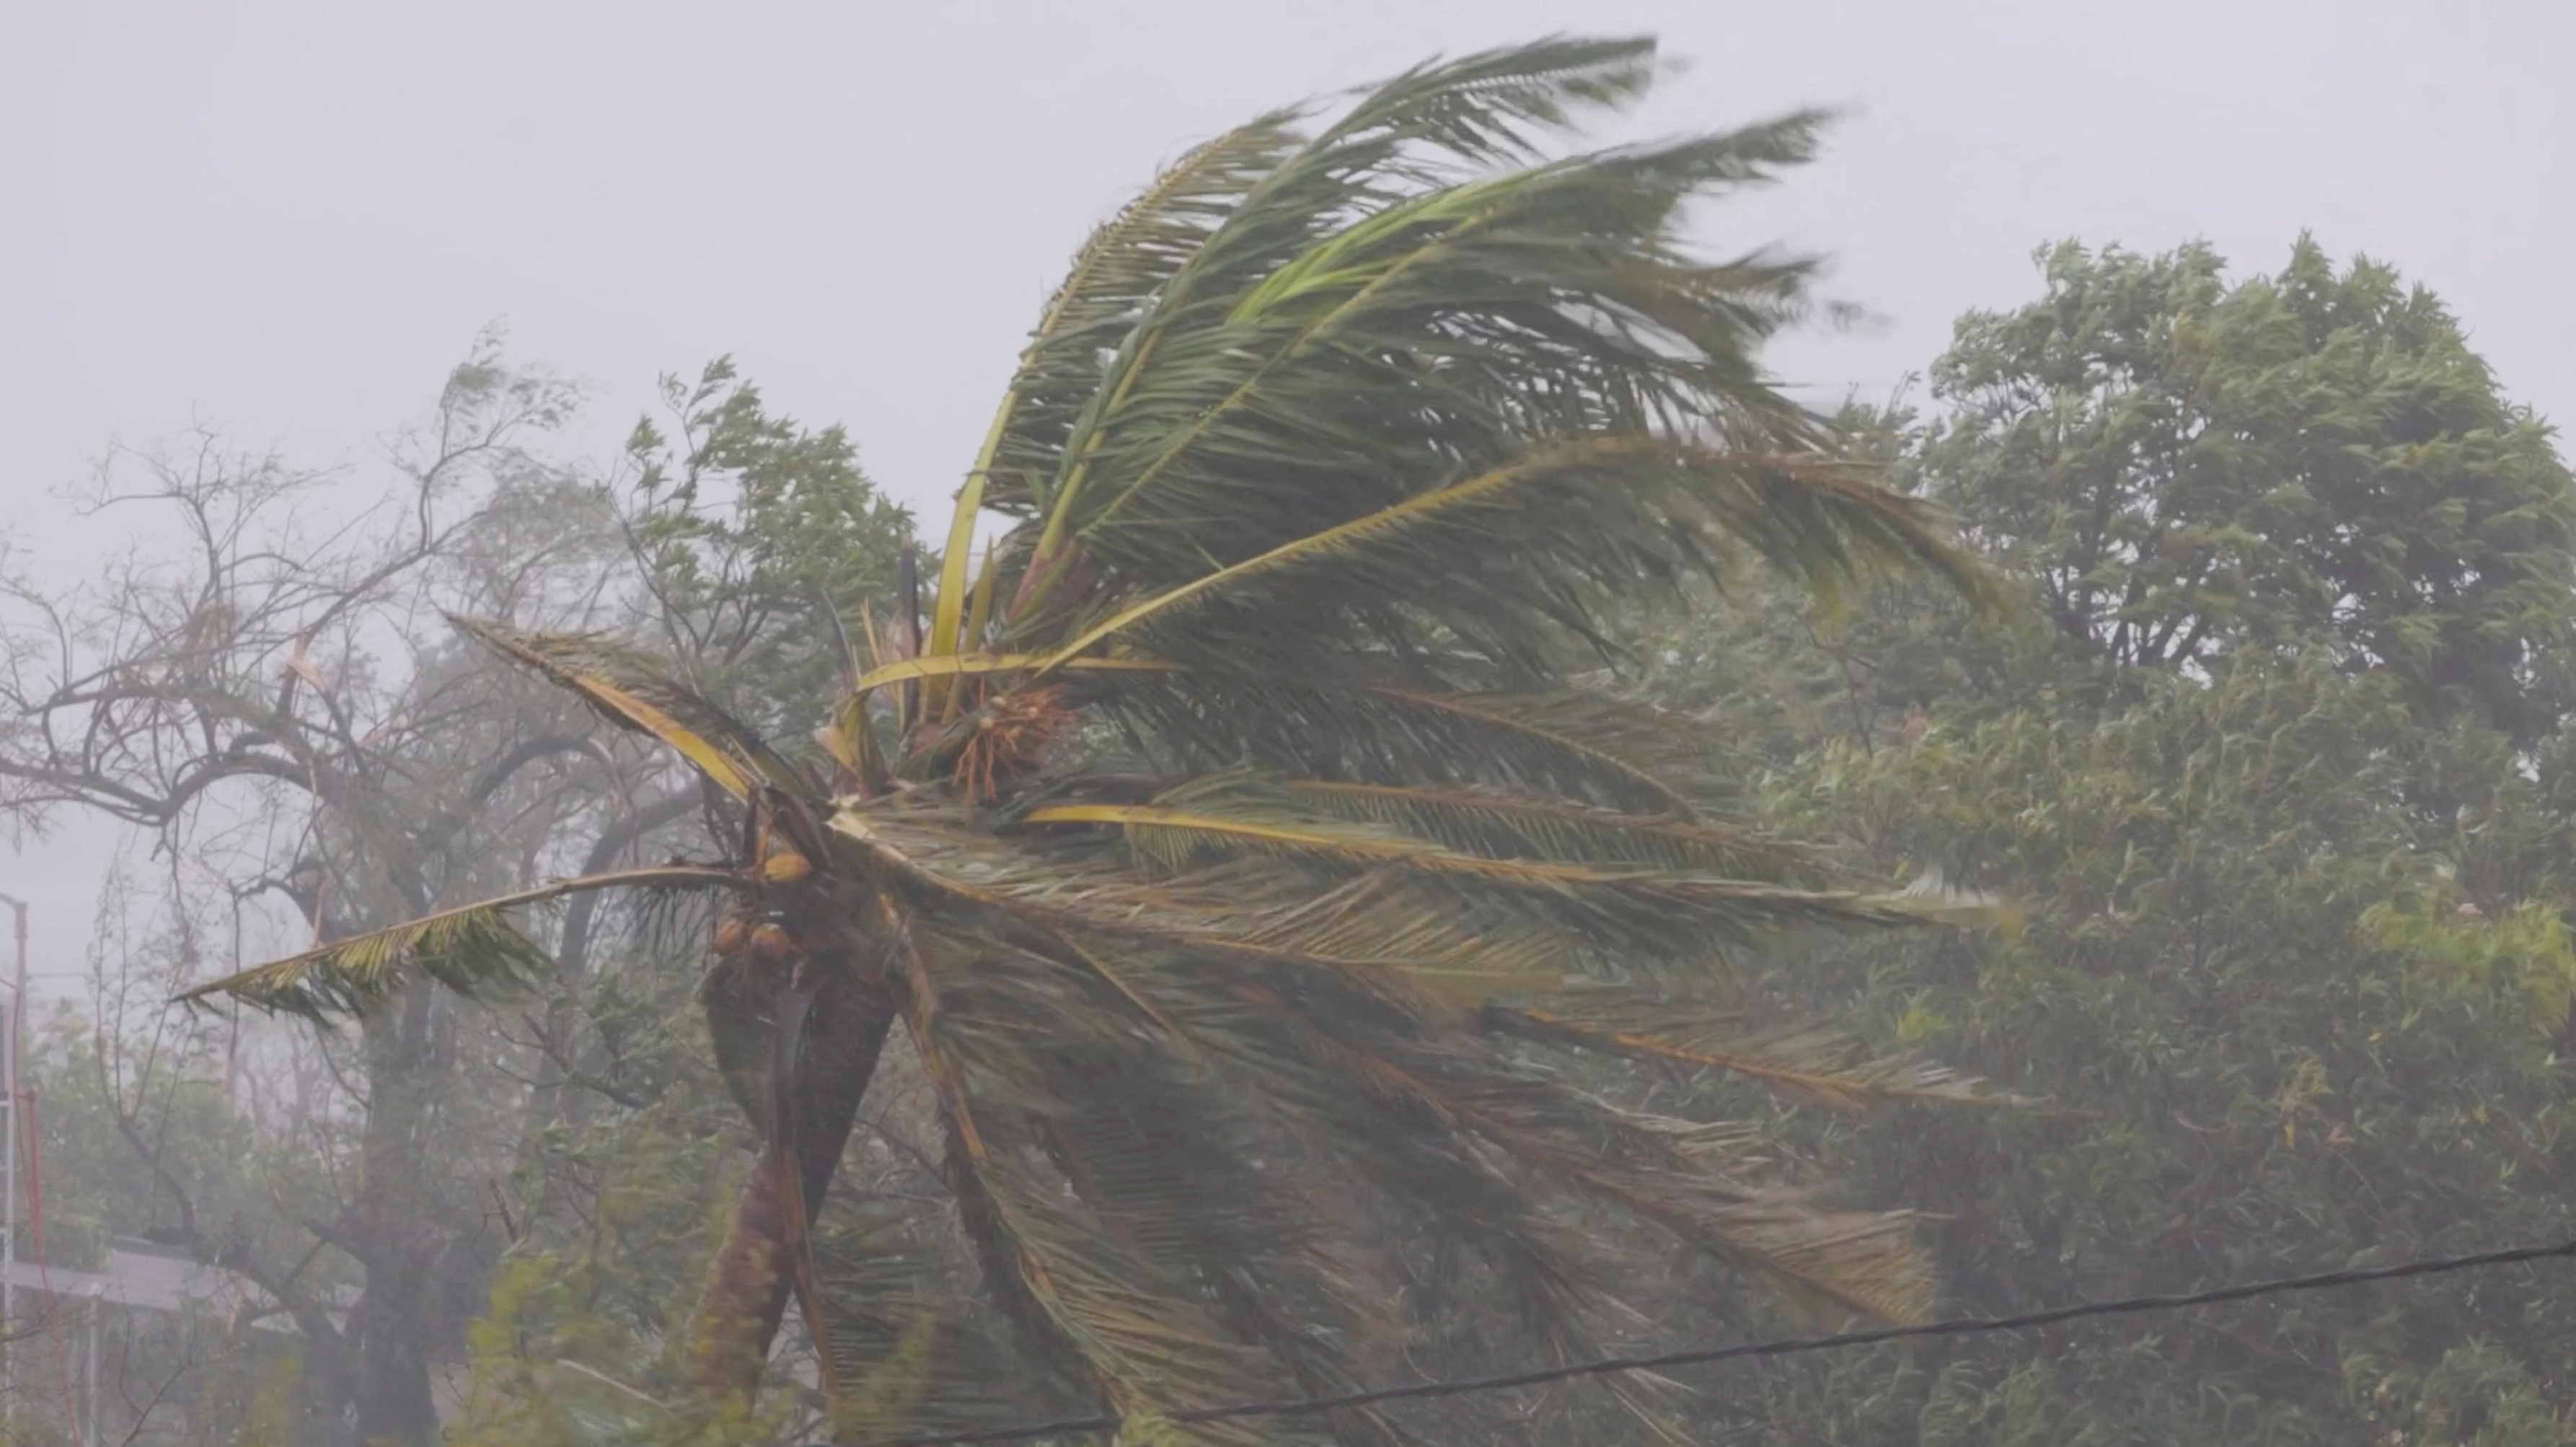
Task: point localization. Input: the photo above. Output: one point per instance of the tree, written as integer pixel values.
(1230, 846)
(2310, 1020)
(260, 713)
(268, 711)
(2186, 468)
(761, 541)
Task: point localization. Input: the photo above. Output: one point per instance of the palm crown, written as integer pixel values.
(1230, 846)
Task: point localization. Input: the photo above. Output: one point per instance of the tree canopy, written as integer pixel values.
(2297, 892)
(2187, 467)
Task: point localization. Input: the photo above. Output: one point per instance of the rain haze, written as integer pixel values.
(2335, 967)
(291, 220)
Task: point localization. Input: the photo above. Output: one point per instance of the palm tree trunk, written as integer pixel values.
(748, 1286)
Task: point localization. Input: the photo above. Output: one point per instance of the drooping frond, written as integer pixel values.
(1321, 1062)
(1504, 825)
(1699, 1191)
(473, 949)
(1657, 912)
(1580, 745)
(632, 691)
(1864, 1261)
(1820, 1065)
(911, 1352)
(1110, 1310)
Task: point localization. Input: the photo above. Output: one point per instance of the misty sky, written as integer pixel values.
(291, 219)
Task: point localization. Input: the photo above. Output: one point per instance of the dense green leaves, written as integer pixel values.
(2188, 467)
(2280, 777)
(761, 541)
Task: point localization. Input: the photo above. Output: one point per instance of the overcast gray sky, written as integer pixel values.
(291, 218)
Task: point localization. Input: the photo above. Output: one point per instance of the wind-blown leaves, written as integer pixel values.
(1243, 828)
(1821, 1065)
(473, 950)
(630, 690)
(1581, 522)
(1506, 825)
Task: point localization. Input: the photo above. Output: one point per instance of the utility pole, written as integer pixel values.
(89, 1436)
(9, 1039)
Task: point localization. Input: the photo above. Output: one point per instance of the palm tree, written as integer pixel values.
(1232, 847)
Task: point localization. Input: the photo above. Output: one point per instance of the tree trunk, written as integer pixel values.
(753, 1274)
(426, 1268)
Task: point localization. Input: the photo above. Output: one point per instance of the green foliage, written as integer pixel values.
(2280, 779)
(2187, 467)
(756, 534)
(98, 1185)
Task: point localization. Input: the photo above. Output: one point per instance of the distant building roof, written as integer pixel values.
(150, 1281)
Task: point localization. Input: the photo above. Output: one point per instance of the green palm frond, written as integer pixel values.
(1631, 909)
(1112, 278)
(1864, 1261)
(981, 665)
(1171, 368)
(1432, 343)
(1821, 1065)
(1117, 273)
(1115, 1316)
(1503, 825)
(473, 950)
(1357, 930)
(1581, 521)
(1577, 744)
(912, 1354)
(632, 691)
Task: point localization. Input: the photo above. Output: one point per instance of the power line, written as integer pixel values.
(1780, 1347)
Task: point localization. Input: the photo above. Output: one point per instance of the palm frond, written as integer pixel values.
(911, 1353)
(1117, 1315)
(1579, 519)
(1362, 930)
(1113, 278)
(976, 665)
(631, 690)
(1119, 271)
(1469, 112)
(1613, 908)
(1504, 825)
(1865, 1261)
(1577, 744)
(1819, 1065)
(472, 949)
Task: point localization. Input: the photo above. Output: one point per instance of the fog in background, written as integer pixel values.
(290, 220)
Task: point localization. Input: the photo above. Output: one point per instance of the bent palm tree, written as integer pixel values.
(1231, 846)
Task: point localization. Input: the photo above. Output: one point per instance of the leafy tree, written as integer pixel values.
(762, 543)
(1232, 847)
(2309, 1019)
(2186, 468)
